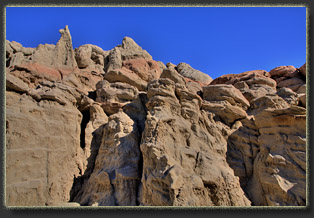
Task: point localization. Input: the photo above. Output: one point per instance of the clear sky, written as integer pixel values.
(214, 40)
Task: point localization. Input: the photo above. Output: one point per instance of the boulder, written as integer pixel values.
(282, 71)
(268, 101)
(293, 83)
(187, 71)
(126, 76)
(114, 59)
(288, 95)
(113, 96)
(172, 74)
(227, 112)
(147, 70)
(15, 84)
(221, 92)
(234, 78)
(91, 57)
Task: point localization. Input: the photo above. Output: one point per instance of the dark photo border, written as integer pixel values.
(138, 211)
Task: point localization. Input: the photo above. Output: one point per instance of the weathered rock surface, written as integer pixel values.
(187, 71)
(223, 92)
(280, 165)
(64, 54)
(234, 78)
(282, 71)
(252, 84)
(91, 57)
(99, 128)
(289, 76)
(129, 63)
(116, 174)
(113, 96)
(268, 154)
(43, 152)
(58, 58)
(180, 144)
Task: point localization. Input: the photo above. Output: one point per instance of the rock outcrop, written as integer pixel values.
(184, 153)
(43, 152)
(116, 175)
(88, 127)
(267, 151)
(187, 71)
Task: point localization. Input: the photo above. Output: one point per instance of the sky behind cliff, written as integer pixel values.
(214, 40)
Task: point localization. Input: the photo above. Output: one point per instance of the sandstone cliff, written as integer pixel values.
(117, 128)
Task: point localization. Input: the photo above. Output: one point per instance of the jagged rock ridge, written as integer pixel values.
(100, 128)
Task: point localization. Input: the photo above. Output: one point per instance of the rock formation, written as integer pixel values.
(87, 127)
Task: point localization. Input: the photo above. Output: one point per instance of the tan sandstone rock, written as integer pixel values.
(187, 71)
(91, 57)
(178, 154)
(115, 177)
(43, 152)
(117, 128)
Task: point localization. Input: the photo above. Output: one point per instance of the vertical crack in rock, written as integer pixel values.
(84, 122)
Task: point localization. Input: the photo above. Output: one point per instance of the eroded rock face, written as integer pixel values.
(268, 153)
(91, 57)
(43, 152)
(289, 76)
(129, 63)
(180, 146)
(105, 128)
(187, 71)
(281, 163)
(259, 151)
(64, 54)
(252, 84)
(116, 174)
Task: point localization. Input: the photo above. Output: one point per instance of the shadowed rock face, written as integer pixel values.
(116, 128)
(115, 176)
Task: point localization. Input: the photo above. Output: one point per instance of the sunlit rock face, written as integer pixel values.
(88, 127)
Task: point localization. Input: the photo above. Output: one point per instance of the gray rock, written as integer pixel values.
(288, 95)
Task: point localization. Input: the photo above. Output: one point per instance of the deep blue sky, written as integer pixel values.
(214, 40)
